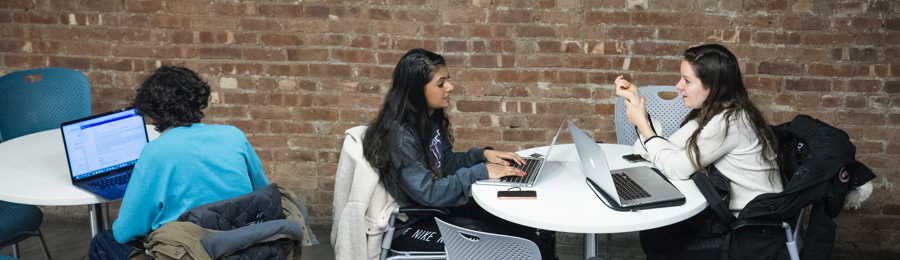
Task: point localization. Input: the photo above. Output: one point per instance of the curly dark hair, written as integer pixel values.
(172, 96)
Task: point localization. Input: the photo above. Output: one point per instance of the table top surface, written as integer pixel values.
(566, 203)
(34, 171)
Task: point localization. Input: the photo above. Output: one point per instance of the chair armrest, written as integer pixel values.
(421, 209)
(757, 223)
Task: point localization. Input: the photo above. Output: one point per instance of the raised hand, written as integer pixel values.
(626, 89)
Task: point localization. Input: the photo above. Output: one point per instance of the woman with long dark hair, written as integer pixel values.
(411, 147)
(724, 129)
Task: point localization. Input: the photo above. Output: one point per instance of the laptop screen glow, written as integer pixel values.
(105, 143)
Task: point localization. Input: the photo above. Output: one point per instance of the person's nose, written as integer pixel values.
(449, 86)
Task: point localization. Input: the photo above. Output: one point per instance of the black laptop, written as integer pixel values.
(102, 149)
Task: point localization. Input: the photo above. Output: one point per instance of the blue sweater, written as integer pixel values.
(184, 168)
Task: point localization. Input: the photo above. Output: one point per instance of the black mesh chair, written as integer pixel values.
(19, 222)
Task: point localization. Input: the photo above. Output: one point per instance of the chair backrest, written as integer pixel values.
(669, 113)
(461, 243)
(40, 99)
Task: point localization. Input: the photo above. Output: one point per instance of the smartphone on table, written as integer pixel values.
(634, 158)
(516, 194)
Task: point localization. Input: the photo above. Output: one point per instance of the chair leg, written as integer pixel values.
(43, 244)
(15, 247)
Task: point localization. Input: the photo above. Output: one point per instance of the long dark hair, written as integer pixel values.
(718, 70)
(172, 97)
(405, 107)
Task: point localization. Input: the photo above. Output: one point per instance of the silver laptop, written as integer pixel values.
(534, 165)
(102, 149)
(628, 189)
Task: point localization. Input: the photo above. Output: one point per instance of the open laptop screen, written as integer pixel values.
(104, 143)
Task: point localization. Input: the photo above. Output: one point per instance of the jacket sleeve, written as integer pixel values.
(452, 162)
(418, 182)
(258, 178)
(712, 142)
(140, 205)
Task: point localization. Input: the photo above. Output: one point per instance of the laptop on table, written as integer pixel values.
(625, 189)
(102, 149)
(534, 165)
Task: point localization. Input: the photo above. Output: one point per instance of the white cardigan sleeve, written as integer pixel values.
(671, 156)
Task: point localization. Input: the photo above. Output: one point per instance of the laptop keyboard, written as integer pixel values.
(627, 188)
(531, 166)
(111, 182)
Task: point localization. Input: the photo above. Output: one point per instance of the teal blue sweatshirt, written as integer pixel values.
(183, 168)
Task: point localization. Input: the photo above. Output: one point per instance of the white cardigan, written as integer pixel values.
(362, 207)
(737, 155)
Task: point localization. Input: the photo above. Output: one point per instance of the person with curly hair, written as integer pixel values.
(190, 164)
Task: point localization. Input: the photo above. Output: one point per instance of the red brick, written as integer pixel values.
(607, 4)
(853, 118)
(854, 102)
(102, 6)
(830, 70)
(278, 113)
(354, 56)
(213, 23)
(422, 16)
(517, 135)
(145, 7)
(317, 114)
(830, 101)
(169, 21)
(656, 49)
(620, 33)
(85, 48)
(857, 85)
(515, 76)
(330, 70)
(656, 19)
(824, 38)
(762, 83)
(756, 22)
(237, 9)
(892, 24)
(283, 11)
(408, 44)
(704, 20)
(17, 4)
(34, 17)
(114, 64)
(805, 23)
(780, 68)
(219, 53)
(250, 24)
(863, 54)
(535, 31)
(119, 50)
(777, 37)
(615, 18)
(807, 85)
(316, 12)
(681, 34)
(478, 106)
(502, 46)
(588, 62)
(71, 63)
(287, 70)
(24, 61)
(307, 54)
(574, 77)
(447, 31)
(892, 87)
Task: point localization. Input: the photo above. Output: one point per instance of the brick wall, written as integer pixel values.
(293, 76)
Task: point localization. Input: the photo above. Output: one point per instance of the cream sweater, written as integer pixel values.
(737, 155)
(362, 207)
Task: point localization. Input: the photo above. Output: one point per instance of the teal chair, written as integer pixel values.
(40, 99)
(32, 101)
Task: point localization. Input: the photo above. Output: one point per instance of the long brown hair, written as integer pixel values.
(718, 70)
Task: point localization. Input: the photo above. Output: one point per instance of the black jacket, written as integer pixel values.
(819, 168)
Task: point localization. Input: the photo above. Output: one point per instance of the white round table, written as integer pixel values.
(565, 202)
(34, 171)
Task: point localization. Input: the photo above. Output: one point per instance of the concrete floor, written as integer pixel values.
(69, 240)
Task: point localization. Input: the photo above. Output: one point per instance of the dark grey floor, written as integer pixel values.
(69, 240)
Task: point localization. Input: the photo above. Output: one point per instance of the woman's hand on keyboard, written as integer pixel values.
(500, 157)
(495, 171)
